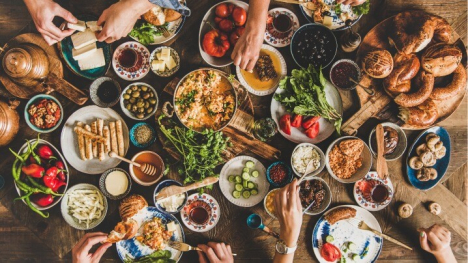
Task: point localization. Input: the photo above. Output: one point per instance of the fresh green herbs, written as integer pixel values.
(338, 9)
(362, 9)
(145, 32)
(304, 94)
(201, 152)
(161, 256)
(186, 100)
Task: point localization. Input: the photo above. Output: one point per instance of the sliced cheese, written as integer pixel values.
(94, 60)
(80, 26)
(328, 21)
(165, 54)
(92, 25)
(82, 39)
(158, 65)
(171, 63)
(158, 55)
(84, 51)
(171, 226)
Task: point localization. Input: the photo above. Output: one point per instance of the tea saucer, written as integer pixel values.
(211, 203)
(138, 73)
(361, 201)
(285, 41)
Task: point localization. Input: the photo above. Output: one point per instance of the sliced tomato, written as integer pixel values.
(309, 122)
(313, 131)
(296, 121)
(285, 124)
(330, 253)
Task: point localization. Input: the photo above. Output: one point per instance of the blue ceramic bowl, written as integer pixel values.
(35, 99)
(165, 184)
(441, 164)
(287, 180)
(133, 139)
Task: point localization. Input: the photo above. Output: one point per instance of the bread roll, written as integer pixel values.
(155, 16)
(422, 115)
(405, 68)
(441, 59)
(378, 64)
(123, 230)
(171, 15)
(131, 205)
(442, 29)
(412, 31)
(424, 84)
(457, 85)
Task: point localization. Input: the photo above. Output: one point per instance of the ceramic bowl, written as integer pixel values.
(157, 177)
(288, 178)
(73, 222)
(265, 204)
(127, 112)
(400, 148)
(27, 116)
(102, 184)
(94, 88)
(134, 140)
(163, 185)
(322, 159)
(326, 200)
(174, 55)
(358, 78)
(361, 172)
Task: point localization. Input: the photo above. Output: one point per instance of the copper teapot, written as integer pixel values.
(28, 65)
(9, 121)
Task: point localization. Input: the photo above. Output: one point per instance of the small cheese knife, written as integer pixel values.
(174, 189)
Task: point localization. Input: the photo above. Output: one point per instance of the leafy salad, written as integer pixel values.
(145, 32)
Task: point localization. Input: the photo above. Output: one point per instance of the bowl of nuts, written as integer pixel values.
(139, 101)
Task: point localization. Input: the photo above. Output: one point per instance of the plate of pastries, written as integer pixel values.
(416, 59)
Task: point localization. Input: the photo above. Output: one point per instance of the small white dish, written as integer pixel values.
(127, 112)
(167, 72)
(322, 160)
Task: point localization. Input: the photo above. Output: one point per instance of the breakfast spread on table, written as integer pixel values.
(418, 67)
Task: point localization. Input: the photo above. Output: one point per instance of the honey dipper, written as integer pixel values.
(144, 167)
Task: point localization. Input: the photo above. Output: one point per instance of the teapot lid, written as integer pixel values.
(17, 62)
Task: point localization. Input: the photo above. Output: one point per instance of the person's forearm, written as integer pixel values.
(290, 241)
(258, 14)
(446, 257)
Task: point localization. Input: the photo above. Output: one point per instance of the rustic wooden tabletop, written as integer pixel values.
(24, 236)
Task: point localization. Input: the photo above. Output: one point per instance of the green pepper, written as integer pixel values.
(28, 202)
(42, 188)
(31, 150)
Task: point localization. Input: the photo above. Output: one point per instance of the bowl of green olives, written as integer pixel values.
(139, 101)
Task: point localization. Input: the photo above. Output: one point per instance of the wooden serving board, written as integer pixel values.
(239, 130)
(381, 105)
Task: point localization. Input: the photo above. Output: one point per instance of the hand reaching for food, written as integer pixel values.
(436, 240)
(351, 2)
(80, 252)
(215, 253)
(289, 212)
(43, 12)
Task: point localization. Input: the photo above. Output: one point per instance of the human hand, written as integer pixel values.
(351, 2)
(120, 18)
(247, 49)
(80, 252)
(436, 240)
(215, 253)
(289, 212)
(43, 12)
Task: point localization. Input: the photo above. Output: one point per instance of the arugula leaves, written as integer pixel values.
(362, 9)
(304, 94)
(161, 256)
(145, 32)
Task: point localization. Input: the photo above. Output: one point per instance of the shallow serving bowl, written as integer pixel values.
(127, 112)
(102, 184)
(37, 98)
(326, 200)
(322, 159)
(401, 146)
(168, 72)
(157, 177)
(163, 185)
(94, 88)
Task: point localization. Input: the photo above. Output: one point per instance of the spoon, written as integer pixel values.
(366, 89)
(255, 221)
(309, 169)
(144, 167)
(382, 168)
(308, 207)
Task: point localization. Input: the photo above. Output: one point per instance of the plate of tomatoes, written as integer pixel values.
(221, 28)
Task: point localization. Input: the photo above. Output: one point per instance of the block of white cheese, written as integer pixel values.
(327, 21)
(94, 60)
(92, 25)
(82, 39)
(80, 26)
(84, 51)
(171, 63)
(158, 65)
(165, 54)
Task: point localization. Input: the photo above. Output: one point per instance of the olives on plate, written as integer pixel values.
(314, 45)
(139, 100)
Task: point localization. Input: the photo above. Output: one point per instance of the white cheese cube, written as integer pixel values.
(165, 54)
(94, 60)
(82, 39)
(171, 226)
(84, 51)
(158, 55)
(92, 25)
(80, 26)
(171, 63)
(328, 21)
(158, 65)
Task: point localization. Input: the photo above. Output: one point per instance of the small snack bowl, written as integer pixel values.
(325, 201)
(95, 94)
(313, 147)
(37, 99)
(114, 176)
(400, 147)
(341, 71)
(162, 185)
(361, 172)
(138, 130)
(286, 180)
(268, 203)
(151, 158)
(156, 61)
(133, 95)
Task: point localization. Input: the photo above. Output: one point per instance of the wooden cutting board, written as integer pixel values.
(381, 106)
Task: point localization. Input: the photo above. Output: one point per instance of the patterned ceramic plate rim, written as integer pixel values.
(217, 212)
(357, 193)
(335, 26)
(145, 64)
(287, 39)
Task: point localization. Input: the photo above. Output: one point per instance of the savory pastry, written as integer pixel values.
(435, 208)
(81, 142)
(457, 85)
(412, 31)
(405, 68)
(171, 15)
(415, 163)
(378, 64)
(155, 16)
(405, 210)
(424, 83)
(131, 205)
(441, 59)
(422, 115)
(440, 153)
(89, 134)
(341, 213)
(428, 158)
(123, 230)
(442, 29)
(421, 148)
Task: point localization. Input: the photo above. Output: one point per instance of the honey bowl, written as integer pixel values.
(151, 158)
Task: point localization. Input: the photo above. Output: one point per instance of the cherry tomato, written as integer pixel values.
(230, 8)
(218, 19)
(330, 253)
(215, 43)
(222, 10)
(226, 25)
(239, 15)
(285, 123)
(313, 131)
(236, 34)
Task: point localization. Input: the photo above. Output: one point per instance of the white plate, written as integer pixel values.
(281, 74)
(281, 42)
(140, 72)
(234, 167)
(362, 202)
(215, 213)
(173, 27)
(134, 249)
(344, 231)
(326, 128)
(69, 141)
(337, 23)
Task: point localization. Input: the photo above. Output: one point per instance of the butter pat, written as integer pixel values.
(158, 65)
(84, 51)
(80, 26)
(92, 25)
(82, 39)
(94, 60)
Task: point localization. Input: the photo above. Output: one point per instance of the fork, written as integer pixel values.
(181, 246)
(164, 30)
(363, 226)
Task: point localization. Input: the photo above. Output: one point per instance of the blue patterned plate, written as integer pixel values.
(337, 24)
(441, 164)
(345, 231)
(133, 249)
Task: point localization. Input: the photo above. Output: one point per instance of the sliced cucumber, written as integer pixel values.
(254, 192)
(232, 178)
(245, 170)
(352, 246)
(236, 194)
(246, 194)
(238, 179)
(249, 164)
(255, 174)
(238, 187)
(329, 239)
(246, 176)
(245, 183)
(250, 185)
(355, 257)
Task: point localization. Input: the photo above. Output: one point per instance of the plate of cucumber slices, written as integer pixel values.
(243, 181)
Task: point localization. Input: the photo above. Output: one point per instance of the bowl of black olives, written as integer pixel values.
(313, 44)
(139, 101)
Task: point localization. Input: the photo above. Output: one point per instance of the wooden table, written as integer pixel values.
(24, 236)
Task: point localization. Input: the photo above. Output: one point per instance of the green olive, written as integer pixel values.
(144, 88)
(146, 95)
(129, 91)
(136, 94)
(151, 94)
(128, 107)
(140, 116)
(140, 104)
(147, 105)
(149, 110)
(132, 100)
(152, 101)
(134, 88)
(141, 110)
(126, 96)
(134, 108)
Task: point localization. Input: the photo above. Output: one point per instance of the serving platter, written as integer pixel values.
(70, 143)
(337, 23)
(441, 165)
